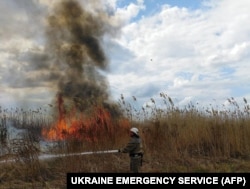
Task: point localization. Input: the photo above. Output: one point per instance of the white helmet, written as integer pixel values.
(134, 130)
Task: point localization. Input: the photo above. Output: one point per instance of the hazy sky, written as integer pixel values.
(191, 50)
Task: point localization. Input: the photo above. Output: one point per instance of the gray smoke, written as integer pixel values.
(74, 38)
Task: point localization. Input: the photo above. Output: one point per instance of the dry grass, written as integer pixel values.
(175, 140)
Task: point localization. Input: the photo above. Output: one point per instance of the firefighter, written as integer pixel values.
(134, 149)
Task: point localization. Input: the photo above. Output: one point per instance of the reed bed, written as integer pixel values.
(188, 139)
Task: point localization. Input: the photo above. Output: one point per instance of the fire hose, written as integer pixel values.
(50, 156)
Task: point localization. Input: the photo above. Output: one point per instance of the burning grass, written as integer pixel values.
(98, 124)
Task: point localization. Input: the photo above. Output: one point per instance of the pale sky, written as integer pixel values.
(192, 50)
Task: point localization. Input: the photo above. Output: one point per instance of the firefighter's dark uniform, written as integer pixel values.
(134, 149)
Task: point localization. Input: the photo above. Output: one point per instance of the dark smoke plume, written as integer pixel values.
(74, 41)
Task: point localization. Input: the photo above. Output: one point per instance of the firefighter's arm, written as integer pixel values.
(127, 149)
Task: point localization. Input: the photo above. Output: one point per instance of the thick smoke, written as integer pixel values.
(74, 41)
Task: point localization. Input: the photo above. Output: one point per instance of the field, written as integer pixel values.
(175, 140)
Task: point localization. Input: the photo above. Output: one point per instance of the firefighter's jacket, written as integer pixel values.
(133, 147)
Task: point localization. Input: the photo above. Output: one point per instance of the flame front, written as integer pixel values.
(57, 132)
(94, 127)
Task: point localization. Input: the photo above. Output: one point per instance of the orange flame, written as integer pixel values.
(95, 127)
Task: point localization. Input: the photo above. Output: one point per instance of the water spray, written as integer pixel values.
(51, 156)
